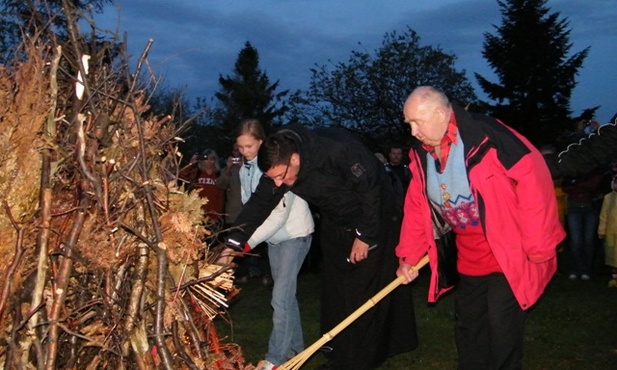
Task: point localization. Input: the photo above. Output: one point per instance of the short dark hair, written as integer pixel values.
(277, 149)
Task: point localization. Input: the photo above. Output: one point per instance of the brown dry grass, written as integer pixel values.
(23, 109)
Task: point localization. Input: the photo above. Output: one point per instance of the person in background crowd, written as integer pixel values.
(579, 131)
(582, 217)
(495, 190)
(396, 165)
(229, 181)
(201, 175)
(613, 167)
(254, 264)
(397, 185)
(352, 192)
(583, 156)
(288, 232)
(592, 126)
(607, 231)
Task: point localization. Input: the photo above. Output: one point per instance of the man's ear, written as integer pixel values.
(295, 159)
(442, 113)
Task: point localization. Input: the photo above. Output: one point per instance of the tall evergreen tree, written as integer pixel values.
(529, 56)
(248, 93)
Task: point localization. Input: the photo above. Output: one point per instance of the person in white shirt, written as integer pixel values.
(288, 233)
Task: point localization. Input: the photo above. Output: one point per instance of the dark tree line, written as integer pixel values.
(529, 53)
(366, 93)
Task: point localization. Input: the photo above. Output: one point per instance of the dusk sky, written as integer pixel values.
(195, 41)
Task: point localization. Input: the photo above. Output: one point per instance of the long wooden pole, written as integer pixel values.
(297, 361)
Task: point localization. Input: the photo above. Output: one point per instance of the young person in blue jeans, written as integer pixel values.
(288, 233)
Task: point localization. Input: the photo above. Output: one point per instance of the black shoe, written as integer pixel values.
(242, 279)
(267, 281)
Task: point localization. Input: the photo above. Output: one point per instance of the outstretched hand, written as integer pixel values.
(226, 257)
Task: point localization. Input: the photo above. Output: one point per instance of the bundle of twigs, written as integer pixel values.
(208, 293)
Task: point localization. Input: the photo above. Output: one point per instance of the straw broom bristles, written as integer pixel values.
(296, 362)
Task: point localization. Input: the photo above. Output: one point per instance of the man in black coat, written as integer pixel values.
(360, 225)
(396, 165)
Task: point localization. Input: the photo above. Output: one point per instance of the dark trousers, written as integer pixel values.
(583, 228)
(387, 328)
(490, 324)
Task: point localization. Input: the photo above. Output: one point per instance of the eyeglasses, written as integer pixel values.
(281, 176)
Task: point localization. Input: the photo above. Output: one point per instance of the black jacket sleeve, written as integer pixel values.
(255, 212)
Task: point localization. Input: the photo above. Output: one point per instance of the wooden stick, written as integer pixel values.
(299, 359)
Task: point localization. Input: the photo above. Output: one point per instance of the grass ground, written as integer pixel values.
(574, 326)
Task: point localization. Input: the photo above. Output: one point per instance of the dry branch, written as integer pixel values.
(109, 267)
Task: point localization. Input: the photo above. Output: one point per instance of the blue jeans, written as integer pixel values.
(582, 225)
(286, 338)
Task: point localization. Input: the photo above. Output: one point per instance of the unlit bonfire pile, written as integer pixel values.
(106, 260)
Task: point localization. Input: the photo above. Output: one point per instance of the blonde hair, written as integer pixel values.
(251, 127)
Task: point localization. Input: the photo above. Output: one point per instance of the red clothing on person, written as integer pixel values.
(449, 138)
(475, 257)
(516, 202)
(206, 187)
